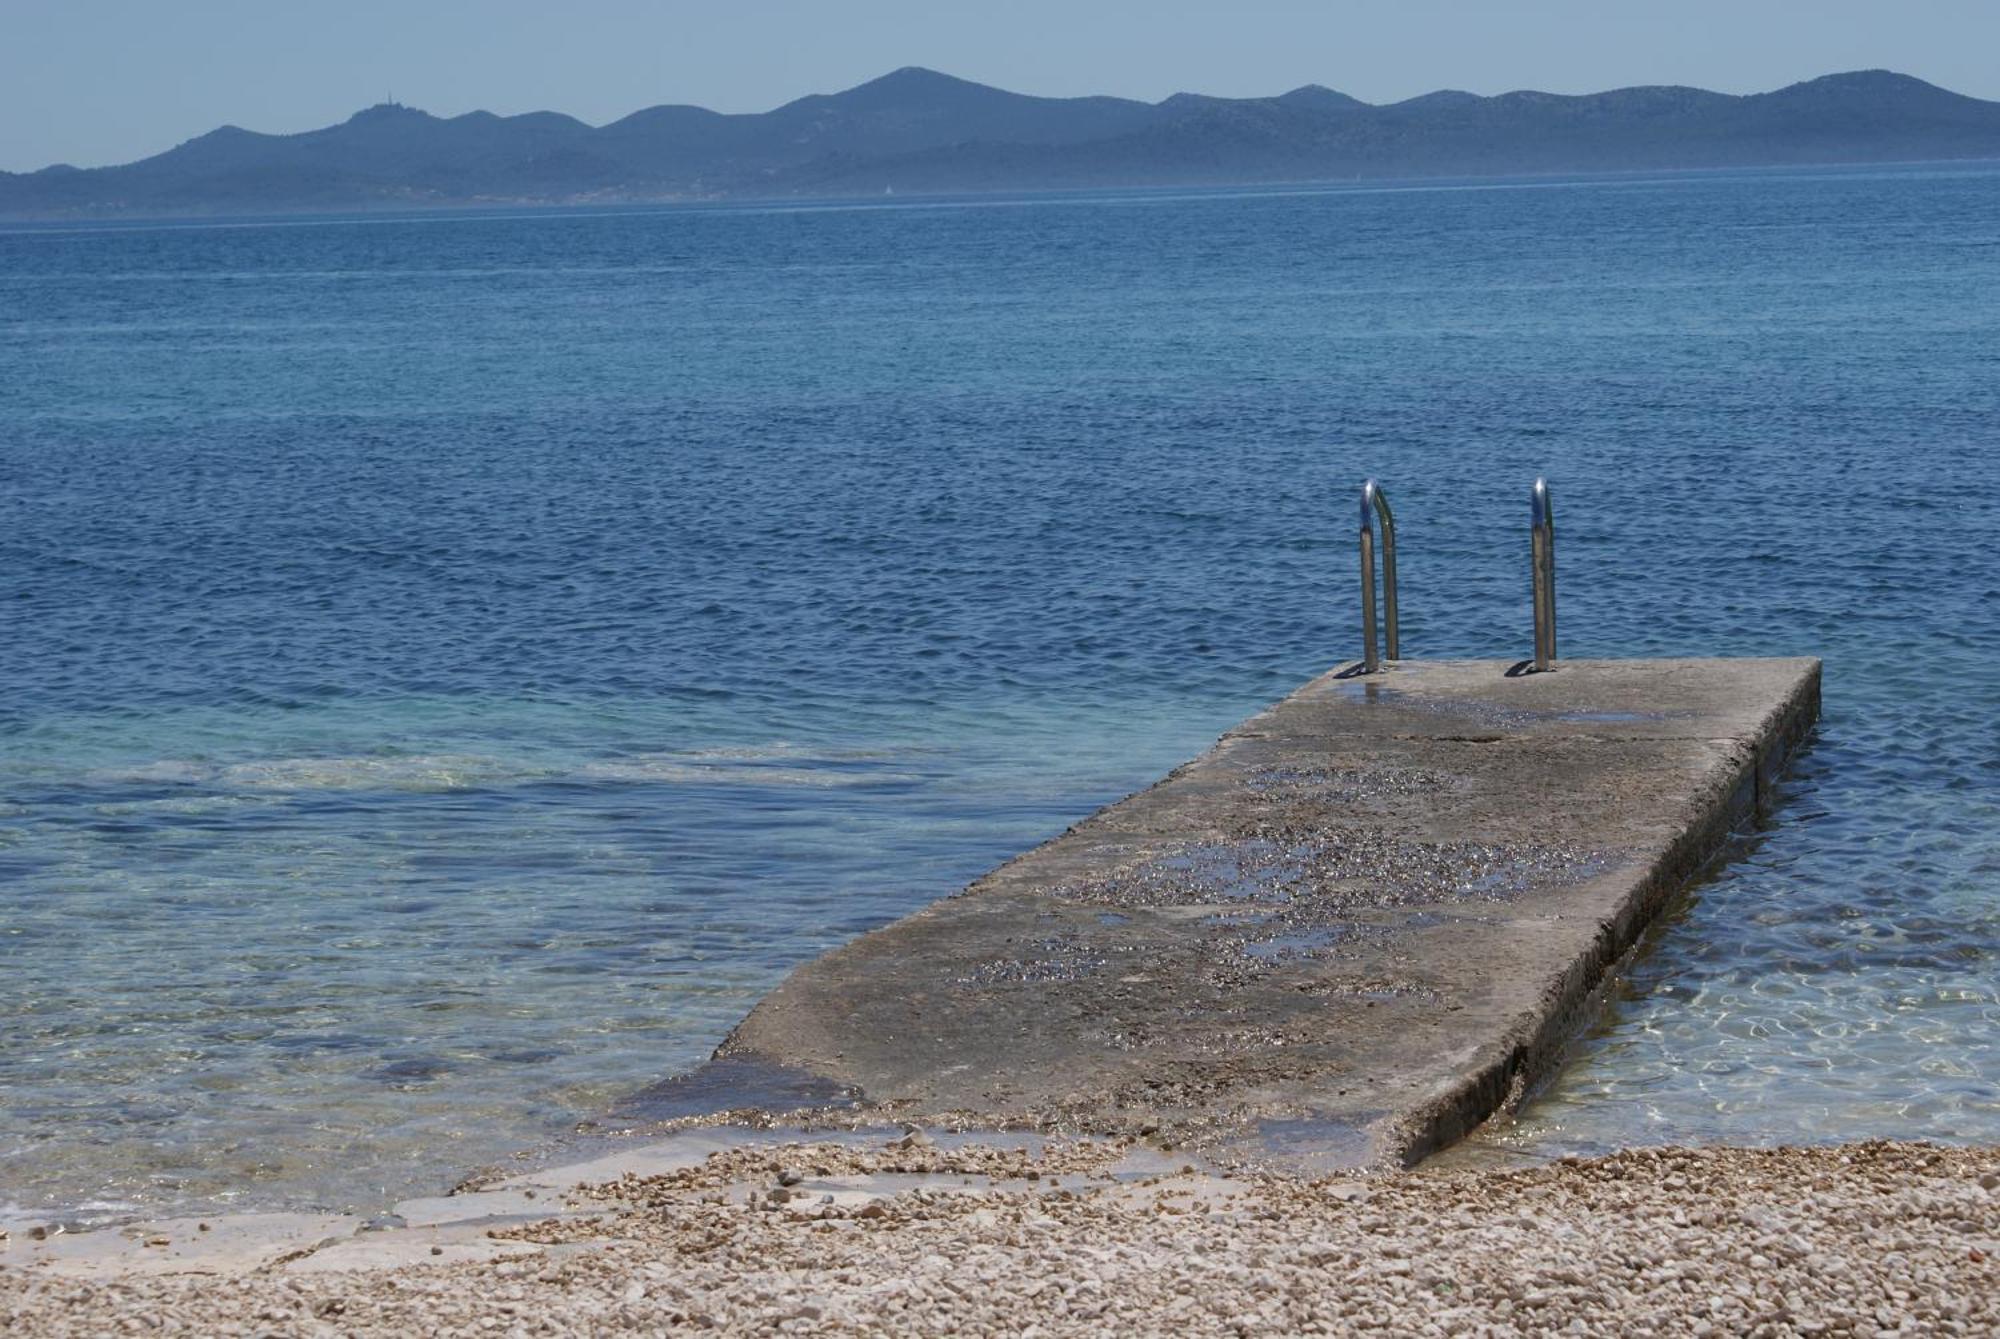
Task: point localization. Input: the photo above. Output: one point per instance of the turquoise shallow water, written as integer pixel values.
(455, 665)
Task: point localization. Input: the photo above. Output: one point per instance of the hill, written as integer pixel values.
(920, 131)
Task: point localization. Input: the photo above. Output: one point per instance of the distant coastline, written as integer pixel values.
(917, 132)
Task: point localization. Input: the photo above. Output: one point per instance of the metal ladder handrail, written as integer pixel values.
(1543, 546)
(1374, 502)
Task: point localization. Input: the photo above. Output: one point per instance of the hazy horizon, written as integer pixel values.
(111, 81)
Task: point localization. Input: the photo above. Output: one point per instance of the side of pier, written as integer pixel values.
(1355, 928)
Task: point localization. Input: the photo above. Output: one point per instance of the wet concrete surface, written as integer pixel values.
(1360, 924)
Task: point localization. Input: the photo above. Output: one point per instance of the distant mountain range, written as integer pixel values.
(918, 131)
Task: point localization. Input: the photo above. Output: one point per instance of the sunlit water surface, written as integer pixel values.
(453, 666)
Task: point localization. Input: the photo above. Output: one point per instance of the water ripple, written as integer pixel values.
(455, 666)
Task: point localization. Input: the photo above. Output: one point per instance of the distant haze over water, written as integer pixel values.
(455, 665)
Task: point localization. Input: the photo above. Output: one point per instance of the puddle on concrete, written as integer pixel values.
(1229, 912)
(1299, 944)
(1371, 870)
(1310, 1144)
(1486, 713)
(1248, 870)
(1490, 713)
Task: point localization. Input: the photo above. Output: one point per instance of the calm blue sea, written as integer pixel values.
(451, 666)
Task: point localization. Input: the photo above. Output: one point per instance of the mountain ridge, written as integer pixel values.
(918, 130)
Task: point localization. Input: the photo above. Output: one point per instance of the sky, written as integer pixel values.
(91, 82)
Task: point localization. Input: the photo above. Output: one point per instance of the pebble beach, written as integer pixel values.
(908, 1237)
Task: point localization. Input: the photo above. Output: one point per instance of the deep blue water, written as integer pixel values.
(453, 666)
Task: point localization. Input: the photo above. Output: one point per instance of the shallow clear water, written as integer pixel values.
(454, 665)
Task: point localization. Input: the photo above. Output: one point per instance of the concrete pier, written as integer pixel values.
(1359, 925)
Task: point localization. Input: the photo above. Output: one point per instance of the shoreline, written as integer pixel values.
(771, 1190)
(915, 1232)
(1446, 851)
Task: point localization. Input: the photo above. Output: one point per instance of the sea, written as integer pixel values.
(451, 665)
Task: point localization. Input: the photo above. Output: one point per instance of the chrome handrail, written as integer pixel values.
(1543, 514)
(1376, 503)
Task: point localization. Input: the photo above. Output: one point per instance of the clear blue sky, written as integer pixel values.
(100, 81)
